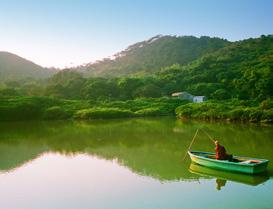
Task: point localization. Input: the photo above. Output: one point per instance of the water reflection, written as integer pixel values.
(222, 177)
(128, 164)
(148, 147)
(220, 183)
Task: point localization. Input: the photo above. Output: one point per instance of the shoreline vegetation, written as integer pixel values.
(48, 108)
(229, 110)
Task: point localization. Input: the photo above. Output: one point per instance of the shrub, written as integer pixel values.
(267, 116)
(55, 112)
(184, 110)
(100, 113)
(153, 111)
(221, 94)
(236, 114)
(266, 104)
(255, 114)
(20, 109)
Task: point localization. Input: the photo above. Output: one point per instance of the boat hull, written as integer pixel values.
(201, 158)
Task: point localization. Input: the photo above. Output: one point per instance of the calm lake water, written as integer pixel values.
(128, 164)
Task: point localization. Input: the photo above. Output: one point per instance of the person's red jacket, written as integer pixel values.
(220, 152)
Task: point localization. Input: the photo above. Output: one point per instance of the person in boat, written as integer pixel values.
(221, 153)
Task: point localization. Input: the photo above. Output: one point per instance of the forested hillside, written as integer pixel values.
(243, 70)
(147, 57)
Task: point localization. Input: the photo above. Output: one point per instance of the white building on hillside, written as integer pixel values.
(186, 96)
(198, 99)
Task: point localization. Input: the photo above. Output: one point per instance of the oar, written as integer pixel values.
(190, 144)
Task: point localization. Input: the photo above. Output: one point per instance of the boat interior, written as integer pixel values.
(236, 159)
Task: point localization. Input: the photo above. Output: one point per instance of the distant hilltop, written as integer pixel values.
(13, 67)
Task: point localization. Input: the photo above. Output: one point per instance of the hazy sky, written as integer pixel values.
(70, 32)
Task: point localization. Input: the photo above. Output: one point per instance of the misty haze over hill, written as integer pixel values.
(13, 67)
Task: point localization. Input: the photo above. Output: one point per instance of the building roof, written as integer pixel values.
(181, 93)
(177, 94)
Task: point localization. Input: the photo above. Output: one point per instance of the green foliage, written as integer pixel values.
(65, 84)
(38, 108)
(127, 87)
(24, 108)
(9, 92)
(148, 91)
(100, 113)
(152, 111)
(267, 116)
(233, 110)
(266, 104)
(244, 69)
(221, 94)
(55, 112)
(166, 105)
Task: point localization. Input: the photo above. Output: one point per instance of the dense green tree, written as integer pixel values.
(9, 92)
(221, 94)
(149, 91)
(127, 86)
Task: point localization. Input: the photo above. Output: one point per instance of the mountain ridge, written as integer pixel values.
(14, 67)
(149, 56)
(143, 58)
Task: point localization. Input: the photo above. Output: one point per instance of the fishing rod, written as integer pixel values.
(208, 135)
(194, 139)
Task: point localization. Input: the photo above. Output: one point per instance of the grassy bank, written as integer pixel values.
(231, 110)
(46, 108)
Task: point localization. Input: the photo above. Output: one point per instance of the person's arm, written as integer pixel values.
(224, 150)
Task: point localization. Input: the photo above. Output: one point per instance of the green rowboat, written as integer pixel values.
(244, 164)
